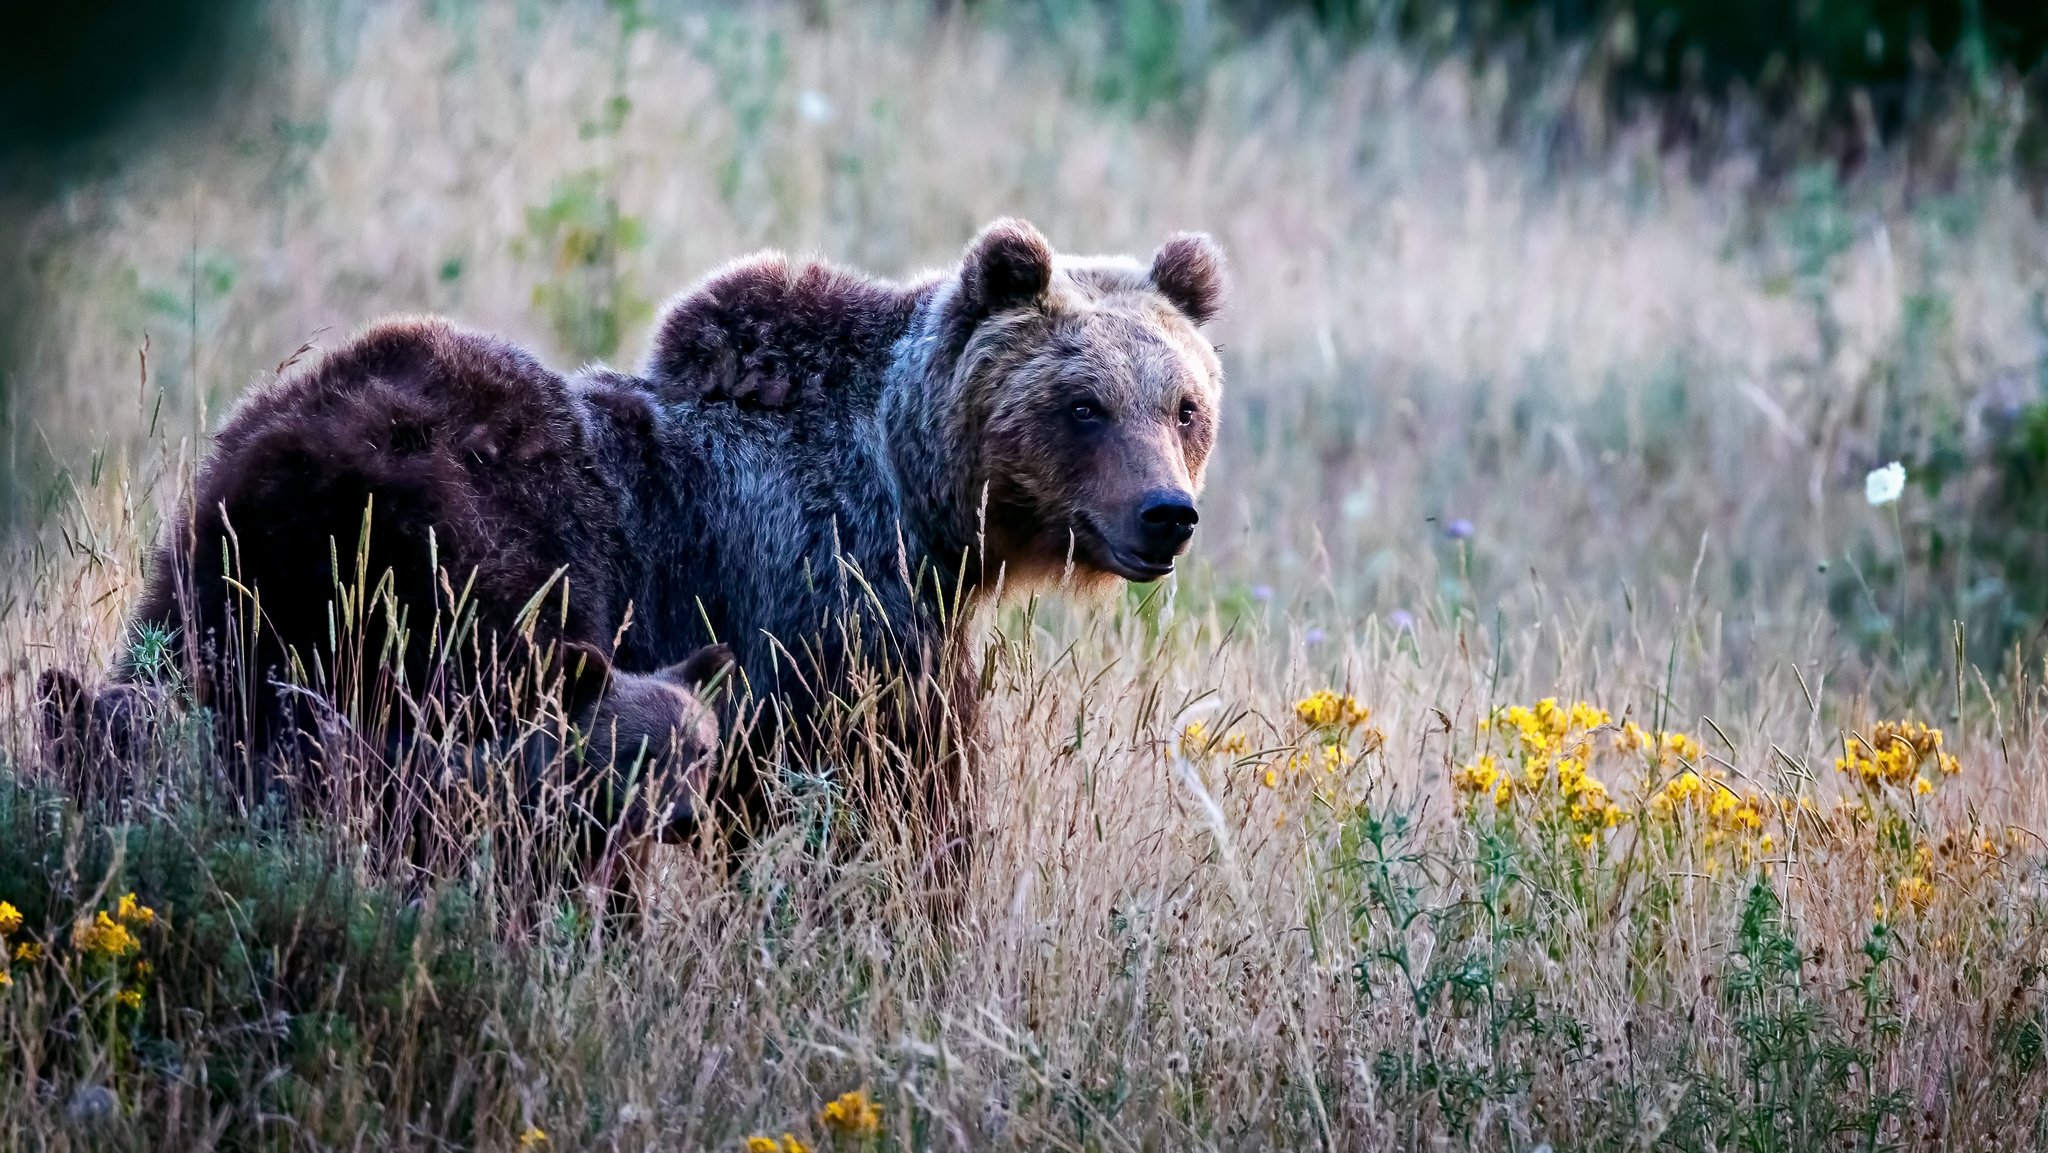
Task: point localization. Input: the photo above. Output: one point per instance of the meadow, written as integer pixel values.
(1549, 743)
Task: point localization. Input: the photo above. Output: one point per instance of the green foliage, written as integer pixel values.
(1453, 961)
(1456, 939)
(1991, 544)
(1880, 46)
(1823, 70)
(1804, 1079)
(752, 68)
(582, 235)
(270, 970)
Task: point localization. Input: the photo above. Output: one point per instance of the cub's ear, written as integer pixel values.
(705, 668)
(1008, 265)
(586, 674)
(1189, 271)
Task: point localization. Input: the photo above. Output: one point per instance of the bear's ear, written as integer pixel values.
(1008, 265)
(702, 670)
(586, 674)
(1189, 271)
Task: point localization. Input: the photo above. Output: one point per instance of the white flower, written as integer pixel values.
(1884, 485)
(815, 107)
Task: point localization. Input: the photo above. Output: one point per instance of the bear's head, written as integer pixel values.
(1087, 397)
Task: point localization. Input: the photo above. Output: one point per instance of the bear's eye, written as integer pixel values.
(1086, 412)
(1187, 413)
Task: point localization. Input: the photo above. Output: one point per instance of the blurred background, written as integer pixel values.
(1540, 302)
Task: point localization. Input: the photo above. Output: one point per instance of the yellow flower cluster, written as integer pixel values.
(132, 912)
(1897, 753)
(1587, 805)
(1553, 745)
(1709, 795)
(1324, 709)
(1338, 737)
(1917, 892)
(113, 935)
(10, 921)
(1667, 748)
(789, 1144)
(1722, 814)
(852, 1114)
(1197, 741)
(1481, 778)
(1916, 887)
(1325, 758)
(103, 935)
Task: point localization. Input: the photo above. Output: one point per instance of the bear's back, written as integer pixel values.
(456, 450)
(729, 513)
(746, 461)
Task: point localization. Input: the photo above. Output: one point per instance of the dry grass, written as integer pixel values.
(1653, 396)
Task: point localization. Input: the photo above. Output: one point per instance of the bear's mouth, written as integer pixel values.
(1099, 550)
(1133, 567)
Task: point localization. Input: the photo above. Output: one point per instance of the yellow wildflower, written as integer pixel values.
(132, 912)
(129, 998)
(534, 1137)
(1681, 746)
(10, 918)
(1922, 786)
(1893, 754)
(28, 952)
(791, 1145)
(760, 1144)
(1478, 777)
(1534, 726)
(103, 935)
(1585, 716)
(1324, 709)
(1669, 747)
(1917, 892)
(6, 979)
(1197, 741)
(853, 1113)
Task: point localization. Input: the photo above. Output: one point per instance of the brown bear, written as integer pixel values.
(830, 472)
(825, 471)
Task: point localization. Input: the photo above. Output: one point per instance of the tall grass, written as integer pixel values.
(1499, 427)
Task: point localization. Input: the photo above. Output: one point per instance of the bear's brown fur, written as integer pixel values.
(825, 471)
(432, 484)
(831, 472)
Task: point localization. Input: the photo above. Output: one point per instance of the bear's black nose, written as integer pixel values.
(1167, 519)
